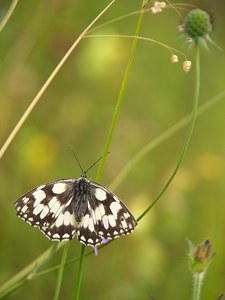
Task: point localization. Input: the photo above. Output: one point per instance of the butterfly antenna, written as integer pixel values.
(82, 170)
(94, 164)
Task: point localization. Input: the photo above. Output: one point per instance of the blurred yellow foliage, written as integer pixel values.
(210, 166)
(40, 152)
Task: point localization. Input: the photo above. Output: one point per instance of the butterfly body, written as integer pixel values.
(67, 207)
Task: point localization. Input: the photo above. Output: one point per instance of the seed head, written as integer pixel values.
(197, 24)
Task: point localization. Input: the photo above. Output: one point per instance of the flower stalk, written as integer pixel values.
(197, 285)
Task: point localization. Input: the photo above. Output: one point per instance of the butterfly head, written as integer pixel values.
(84, 174)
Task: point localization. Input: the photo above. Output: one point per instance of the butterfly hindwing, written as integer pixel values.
(106, 217)
(48, 207)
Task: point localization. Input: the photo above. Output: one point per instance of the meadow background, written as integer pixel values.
(75, 113)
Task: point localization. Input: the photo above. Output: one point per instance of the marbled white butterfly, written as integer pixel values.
(68, 207)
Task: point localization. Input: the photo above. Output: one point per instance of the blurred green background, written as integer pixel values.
(75, 113)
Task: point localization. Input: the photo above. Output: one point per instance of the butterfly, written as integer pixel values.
(78, 207)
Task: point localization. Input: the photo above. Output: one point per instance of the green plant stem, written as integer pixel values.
(188, 137)
(168, 133)
(162, 138)
(141, 38)
(29, 272)
(120, 98)
(140, 155)
(8, 14)
(110, 134)
(60, 272)
(197, 285)
(10, 285)
(79, 274)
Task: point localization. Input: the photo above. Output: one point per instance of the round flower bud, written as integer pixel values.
(197, 24)
(174, 58)
(186, 66)
(199, 257)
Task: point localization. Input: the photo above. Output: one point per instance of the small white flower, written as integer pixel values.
(186, 66)
(158, 6)
(174, 58)
(155, 10)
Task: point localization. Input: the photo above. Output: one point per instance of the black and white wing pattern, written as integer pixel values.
(68, 207)
(106, 217)
(49, 208)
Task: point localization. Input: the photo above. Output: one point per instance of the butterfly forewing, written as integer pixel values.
(48, 207)
(66, 207)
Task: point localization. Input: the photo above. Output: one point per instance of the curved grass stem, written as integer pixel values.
(23, 275)
(202, 109)
(188, 137)
(141, 38)
(36, 99)
(13, 283)
(162, 138)
(8, 14)
(29, 272)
